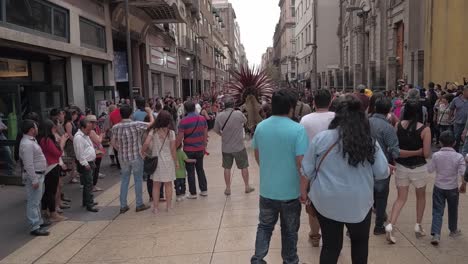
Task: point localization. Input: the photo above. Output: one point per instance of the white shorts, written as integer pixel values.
(405, 176)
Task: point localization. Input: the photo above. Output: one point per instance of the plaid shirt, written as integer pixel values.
(128, 136)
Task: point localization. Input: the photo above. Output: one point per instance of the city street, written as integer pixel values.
(212, 229)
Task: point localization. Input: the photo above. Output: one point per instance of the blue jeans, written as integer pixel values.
(289, 212)
(381, 190)
(136, 167)
(33, 205)
(439, 197)
(457, 131)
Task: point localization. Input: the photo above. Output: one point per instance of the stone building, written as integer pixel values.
(381, 42)
(317, 59)
(283, 42)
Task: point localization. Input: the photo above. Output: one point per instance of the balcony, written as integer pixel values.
(162, 11)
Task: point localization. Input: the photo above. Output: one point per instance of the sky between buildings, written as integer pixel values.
(257, 20)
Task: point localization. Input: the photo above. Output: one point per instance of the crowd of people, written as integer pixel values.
(334, 152)
(338, 161)
(70, 144)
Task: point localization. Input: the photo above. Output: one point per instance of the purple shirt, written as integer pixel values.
(448, 165)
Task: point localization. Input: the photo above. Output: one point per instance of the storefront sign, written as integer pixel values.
(171, 62)
(157, 57)
(13, 68)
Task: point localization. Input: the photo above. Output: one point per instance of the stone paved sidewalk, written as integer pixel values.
(216, 229)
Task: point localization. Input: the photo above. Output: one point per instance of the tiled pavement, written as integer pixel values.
(216, 229)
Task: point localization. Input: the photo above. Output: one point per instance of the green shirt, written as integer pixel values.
(181, 157)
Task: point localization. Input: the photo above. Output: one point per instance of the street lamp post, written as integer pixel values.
(129, 53)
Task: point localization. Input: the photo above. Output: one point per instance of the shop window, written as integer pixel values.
(92, 35)
(36, 15)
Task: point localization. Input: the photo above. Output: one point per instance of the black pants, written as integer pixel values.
(179, 186)
(86, 177)
(149, 186)
(96, 170)
(51, 181)
(332, 236)
(198, 166)
(381, 190)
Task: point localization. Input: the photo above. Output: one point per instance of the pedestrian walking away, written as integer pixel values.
(340, 168)
(385, 134)
(415, 147)
(279, 144)
(315, 123)
(229, 124)
(448, 166)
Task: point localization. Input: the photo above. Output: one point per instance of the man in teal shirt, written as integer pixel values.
(279, 145)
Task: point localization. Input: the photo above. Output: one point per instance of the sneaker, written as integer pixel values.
(142, 207)
(389, 230)
(227, 192)
(123, 210)
(205, 193)
(419, 231)
(455, 234)
(101, 176)
(74, 181)
(379, 230)
(435, 240)
(192, 196)
(179, 198)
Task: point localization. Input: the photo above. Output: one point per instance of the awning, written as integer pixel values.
(161, 11)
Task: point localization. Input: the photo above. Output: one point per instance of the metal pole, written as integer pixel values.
(364, 18)
(314, 72)
(129, 53)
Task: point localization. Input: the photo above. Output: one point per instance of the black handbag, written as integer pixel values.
(150, 164)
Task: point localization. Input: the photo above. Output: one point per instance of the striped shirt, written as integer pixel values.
(128, 135)
(193, 127)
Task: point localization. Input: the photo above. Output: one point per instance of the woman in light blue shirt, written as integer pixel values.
(340, 168)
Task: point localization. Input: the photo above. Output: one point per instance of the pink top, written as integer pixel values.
(51, 152)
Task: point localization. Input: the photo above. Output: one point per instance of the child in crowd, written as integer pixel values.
(179, 183)
(448, 166)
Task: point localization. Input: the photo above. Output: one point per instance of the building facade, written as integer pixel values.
(381, 43)
(55, 53)
(283, 42)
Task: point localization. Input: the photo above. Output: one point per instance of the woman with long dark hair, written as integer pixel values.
(340, 168)
(71, 116)
(161, 140)
(411, 170)
(52, 147)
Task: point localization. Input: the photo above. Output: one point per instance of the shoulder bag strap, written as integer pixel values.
(225, 123)
(162, 145)
(323, 158)
(195, 128)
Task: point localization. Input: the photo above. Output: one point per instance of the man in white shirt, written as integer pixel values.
(86, 155)
(315, 123)
(33, 165)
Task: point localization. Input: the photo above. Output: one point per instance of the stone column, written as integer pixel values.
(357, 75)
(420, 69)
(345, 77)
(391, 73)
(371, 75)
(75, 85)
